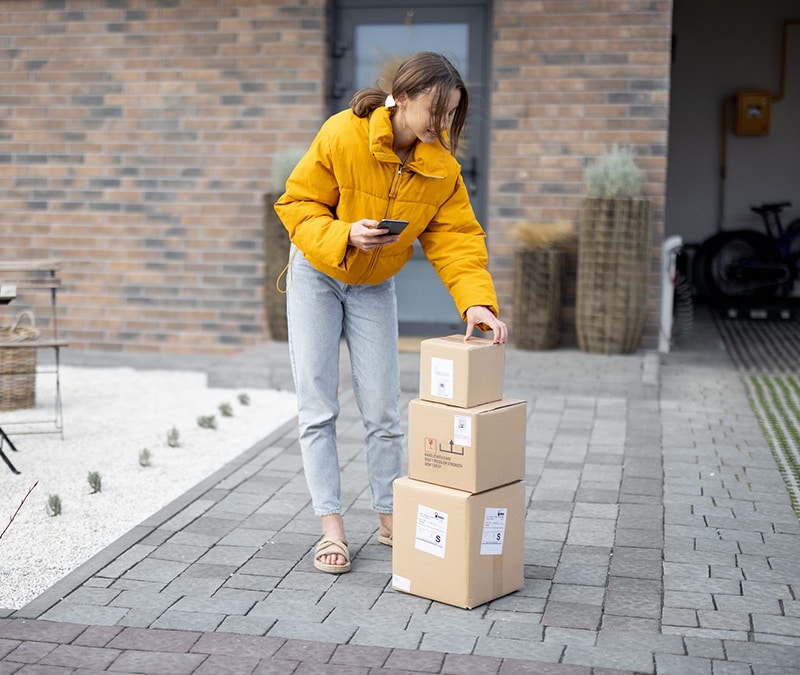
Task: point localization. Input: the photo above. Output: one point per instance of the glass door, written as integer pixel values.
(370, 40)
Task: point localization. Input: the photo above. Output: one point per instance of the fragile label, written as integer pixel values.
(431, 536)
(442, 377)
(494, 530)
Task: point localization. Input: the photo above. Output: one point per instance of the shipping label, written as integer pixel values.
(462, 429)
(442, 376)
(431, 535)
(494, 530)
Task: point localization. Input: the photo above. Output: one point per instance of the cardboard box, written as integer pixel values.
(459, 373)
(471, 449)
(455, 547)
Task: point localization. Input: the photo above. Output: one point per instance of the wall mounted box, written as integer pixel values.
(460, 373)
(752, 113)
(471, 449)
(455, 547)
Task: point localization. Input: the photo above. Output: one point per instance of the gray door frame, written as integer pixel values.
(418, 281)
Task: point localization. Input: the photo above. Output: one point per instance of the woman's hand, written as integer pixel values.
(480, 314)
(364, 235)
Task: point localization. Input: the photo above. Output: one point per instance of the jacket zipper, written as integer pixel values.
(393, 188)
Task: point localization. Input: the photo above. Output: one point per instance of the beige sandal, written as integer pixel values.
(388, 541)
(332, 546)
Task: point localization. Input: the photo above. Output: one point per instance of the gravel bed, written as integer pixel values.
(110, 417)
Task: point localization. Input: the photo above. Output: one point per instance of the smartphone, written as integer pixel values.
(394, 226)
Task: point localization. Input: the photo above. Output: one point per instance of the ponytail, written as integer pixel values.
(365, 100)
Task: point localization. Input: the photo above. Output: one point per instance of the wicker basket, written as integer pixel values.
(612, 278)
(538, 279)
(276, 255)
(18, 365)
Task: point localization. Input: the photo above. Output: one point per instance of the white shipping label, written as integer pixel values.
(401, 583)
(462, 430)
(442, 377)
(431, 531)
(494, 531)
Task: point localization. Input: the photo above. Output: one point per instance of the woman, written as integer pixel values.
(388, 156)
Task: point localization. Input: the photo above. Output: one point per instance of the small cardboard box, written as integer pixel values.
(471, 449)
(455, 547)
(460, 373)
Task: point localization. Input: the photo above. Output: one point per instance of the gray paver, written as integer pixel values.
(659, 536)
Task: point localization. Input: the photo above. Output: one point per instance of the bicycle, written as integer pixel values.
(741, 268)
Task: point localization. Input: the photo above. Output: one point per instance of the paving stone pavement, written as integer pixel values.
(659, 539)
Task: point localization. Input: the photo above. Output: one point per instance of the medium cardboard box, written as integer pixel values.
(471, 449)
(455, 547)
(459, 373)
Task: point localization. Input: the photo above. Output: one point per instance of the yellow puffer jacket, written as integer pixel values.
(350, 172)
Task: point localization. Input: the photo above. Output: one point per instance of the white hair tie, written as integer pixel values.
(389, 102)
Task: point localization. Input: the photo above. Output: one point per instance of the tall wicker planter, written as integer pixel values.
(538, 280)
(276, 255)
(612, 277)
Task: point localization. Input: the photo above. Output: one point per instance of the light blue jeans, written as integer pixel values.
(320, 311)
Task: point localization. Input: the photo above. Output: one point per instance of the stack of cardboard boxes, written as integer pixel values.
(459, 515)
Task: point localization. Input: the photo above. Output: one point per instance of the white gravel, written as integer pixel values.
(110, 416)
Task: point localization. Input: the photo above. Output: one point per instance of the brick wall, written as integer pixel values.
(137, 142)
(138, 138)
(571, 78)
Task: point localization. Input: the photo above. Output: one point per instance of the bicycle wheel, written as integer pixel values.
(737, 269)
(793, 233)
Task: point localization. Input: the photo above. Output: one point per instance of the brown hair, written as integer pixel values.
(418, 74)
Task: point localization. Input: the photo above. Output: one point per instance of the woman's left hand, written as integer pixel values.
(480, 314)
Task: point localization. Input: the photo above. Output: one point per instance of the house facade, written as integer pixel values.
(139, 137)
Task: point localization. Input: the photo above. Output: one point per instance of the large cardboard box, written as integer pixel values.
(460, 373)
(455, 547)
(471, 449)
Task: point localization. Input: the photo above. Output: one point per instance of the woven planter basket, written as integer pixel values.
(18, 365)
(276, 255)
(614, 245)
(538, 279)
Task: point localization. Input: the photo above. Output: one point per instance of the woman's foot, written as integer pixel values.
(386, 528)
(333, 528)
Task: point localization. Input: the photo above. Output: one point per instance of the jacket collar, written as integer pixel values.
(428, 159)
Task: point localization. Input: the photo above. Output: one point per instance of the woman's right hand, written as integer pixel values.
(364, 235)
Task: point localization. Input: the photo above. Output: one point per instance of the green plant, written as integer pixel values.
(244, 398)
(282, 166)
(225, 410)
(53, 506)
(207, 422)
(615, 175)
(144, 457)
(173, 438)
(95, 481)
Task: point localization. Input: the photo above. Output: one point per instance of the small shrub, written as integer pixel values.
(144, 457)
(207, 422)
(244, 399)
(225, 410)
(173, 438)
(532, 235)
(53, 506)
(95, 482)
(615, 175)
